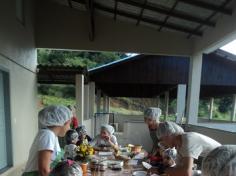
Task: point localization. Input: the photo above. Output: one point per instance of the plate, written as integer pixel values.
(139, 173)
(146, 165)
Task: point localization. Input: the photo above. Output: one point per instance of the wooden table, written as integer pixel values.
(127, 170)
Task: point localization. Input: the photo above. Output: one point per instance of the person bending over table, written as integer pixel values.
(105, 140)
(189, 146)
(220, 162)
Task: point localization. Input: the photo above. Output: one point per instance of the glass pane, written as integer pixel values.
(3, 148)
(222, 108)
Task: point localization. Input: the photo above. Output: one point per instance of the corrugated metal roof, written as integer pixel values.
(128, 8)
(193, 10)
(176, 15)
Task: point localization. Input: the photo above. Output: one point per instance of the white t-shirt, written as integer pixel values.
(45, 140)
(195, 145)
(98, 141)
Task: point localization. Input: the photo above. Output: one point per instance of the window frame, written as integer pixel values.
(6, 89)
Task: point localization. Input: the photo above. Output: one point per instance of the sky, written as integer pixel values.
(230, 47)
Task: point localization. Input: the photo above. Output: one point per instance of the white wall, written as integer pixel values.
(18, 56)
(61, 27)
(224, 137)
(88, 124)
(137, 133)
(121, 119)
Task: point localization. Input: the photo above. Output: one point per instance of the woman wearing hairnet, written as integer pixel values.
(45, 151)
(189, 146)
(105, 139)
(220, 162)
(83, 136)
(152, 119)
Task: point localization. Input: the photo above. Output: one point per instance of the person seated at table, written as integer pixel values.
(189, 146)
(105, 140)
(220, 162)
(67, 168)
(83, 136)
(71, 139)
(45, 152)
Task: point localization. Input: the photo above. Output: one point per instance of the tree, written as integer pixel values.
(225, 104)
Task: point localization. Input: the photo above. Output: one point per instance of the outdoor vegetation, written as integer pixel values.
(65, 94)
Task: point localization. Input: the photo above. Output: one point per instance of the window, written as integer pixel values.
(216, 108)
(5, 127)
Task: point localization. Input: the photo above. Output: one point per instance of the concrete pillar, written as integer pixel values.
(108, 104)
(98, 101)
(92, 98)
(104, 103)
(166, 104)
(79, 91)
(211, 108)
(181, 97)
(194, 84)
(234, 108)
(86, 101)
(158, 101)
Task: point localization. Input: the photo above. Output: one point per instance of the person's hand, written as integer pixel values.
(107, 138)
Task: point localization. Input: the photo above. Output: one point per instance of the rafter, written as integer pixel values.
(211, 16)
(115, 9)
(144, 19)
(141, 12)
(70, 3)
(166, 11)
(167, 17)
(208, 6)
(90, 8)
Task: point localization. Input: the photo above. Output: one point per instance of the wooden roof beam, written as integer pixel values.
(115, 9)
(167, 17)
(141, 12)
(70, 3)
(90, 9)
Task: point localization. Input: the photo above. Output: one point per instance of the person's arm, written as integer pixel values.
(113, 142)
(44, 160)
(184, 170)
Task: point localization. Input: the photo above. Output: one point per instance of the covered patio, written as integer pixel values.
(191, 30)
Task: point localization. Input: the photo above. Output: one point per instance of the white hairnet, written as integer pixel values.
(108, 128)
(81, 130)
(54, 116)
(220, 162)
(168, 128)
(152, 113)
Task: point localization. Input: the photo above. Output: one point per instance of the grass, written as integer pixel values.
(52, 100)
(117, 109)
